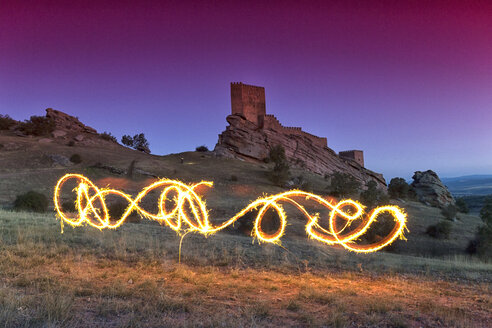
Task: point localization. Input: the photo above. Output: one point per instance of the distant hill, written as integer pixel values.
(470, 185)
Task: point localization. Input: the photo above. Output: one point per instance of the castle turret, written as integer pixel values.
(355, 155)
(248, 101)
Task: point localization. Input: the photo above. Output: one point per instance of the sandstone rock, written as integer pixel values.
(60, 160)
(45, 140)
(58, 133)
(244, 140)
(430, 190)
(79, 137)
(19, 133)
(11, 146)
(67, 122)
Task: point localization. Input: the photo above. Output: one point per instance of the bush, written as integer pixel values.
(233, 178)
(379, 229)
(398, 188)
(71, 143)
(138, 142)
(31, 201)
(372, 196)
(462, 205)
(440, 230)
(76, 159)
(6, 122)
(343, 185)
(302, 184)
(38, 126)
(281, 170)
(117, 209)
(449, 212)
(108, 136)
(201, 148)
(482, 244)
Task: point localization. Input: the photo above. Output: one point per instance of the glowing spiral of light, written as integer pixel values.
(189, 213)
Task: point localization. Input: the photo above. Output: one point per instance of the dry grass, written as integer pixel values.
(130, 278)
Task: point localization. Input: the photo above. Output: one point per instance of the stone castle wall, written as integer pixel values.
(249, 101)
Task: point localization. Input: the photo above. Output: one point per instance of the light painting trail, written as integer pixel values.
(189, 213)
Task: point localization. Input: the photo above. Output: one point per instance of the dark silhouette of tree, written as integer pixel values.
(138, 142)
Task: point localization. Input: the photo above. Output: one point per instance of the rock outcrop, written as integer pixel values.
(65, 122)
(430, 190)
(244, 140)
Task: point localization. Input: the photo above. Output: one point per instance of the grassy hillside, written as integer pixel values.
(131, 276)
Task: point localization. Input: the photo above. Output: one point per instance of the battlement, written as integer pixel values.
(272, 123)
(249, 102)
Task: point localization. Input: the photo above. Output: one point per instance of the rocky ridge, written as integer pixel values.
(244, 140)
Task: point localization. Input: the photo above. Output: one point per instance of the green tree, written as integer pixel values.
(373, 196)
(280, 172)
(482, 244)
(343, 185)
(138, 142)
(6, 122)
(398, 188)
(38, 126)
(462, 205)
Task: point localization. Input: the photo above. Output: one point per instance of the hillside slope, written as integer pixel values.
(34, 164)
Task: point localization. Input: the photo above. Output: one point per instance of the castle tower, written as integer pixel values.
(248, 101)
(355, 155)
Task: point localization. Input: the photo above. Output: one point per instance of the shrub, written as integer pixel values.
(398, 188)
(440, 230)
(281, 170)
(138, 142)
(117, 209)
(233, 178)
(482, 244)
(343, 185)
(38, 126)
(76, 159)
(302, 184)
(277, 154)
(71, 143)
(373, 196)
(6, 122)
(462, 205)
(449, 212)
(31, 201)
(201, 148)
(379, 230)
(486, 212)
(108, 136)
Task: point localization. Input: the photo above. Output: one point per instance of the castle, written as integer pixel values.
(252, 133)
(248, 101)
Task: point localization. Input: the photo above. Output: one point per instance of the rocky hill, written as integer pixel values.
(244, 140)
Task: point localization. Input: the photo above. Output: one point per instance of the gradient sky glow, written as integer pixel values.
(410, 83)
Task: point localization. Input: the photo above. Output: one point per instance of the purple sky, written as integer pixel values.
(410, 83)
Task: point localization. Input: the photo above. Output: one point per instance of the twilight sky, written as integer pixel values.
(410, 83)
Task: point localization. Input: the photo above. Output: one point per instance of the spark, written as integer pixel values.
(188, 213)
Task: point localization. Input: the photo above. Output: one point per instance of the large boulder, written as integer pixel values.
(430, 190)
(242, 139)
